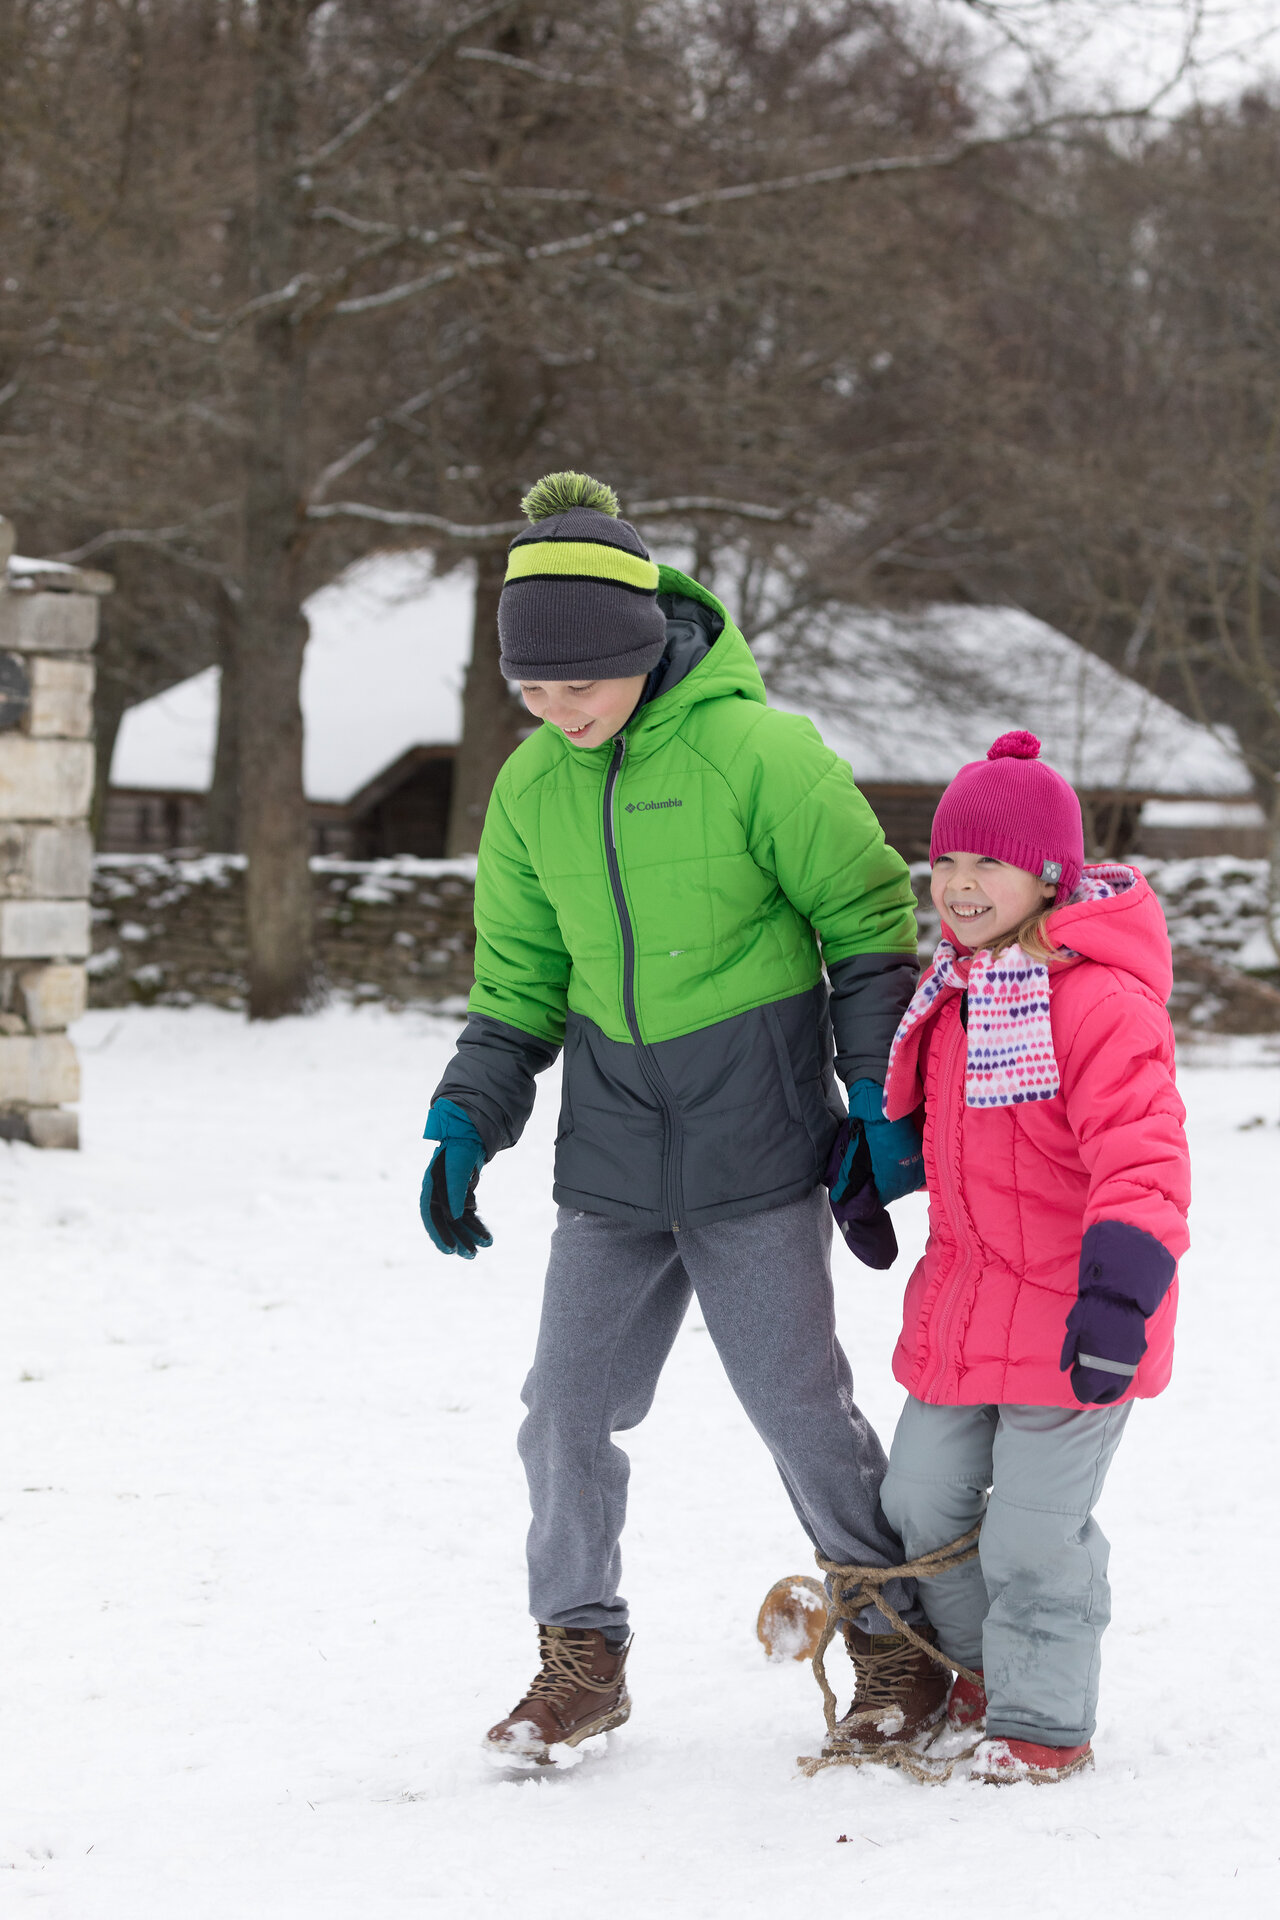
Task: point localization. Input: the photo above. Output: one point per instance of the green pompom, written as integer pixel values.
(557, 492)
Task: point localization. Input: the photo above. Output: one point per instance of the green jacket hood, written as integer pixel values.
(726, 670)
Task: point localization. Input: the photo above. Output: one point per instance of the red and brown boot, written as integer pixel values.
(967, 1705)
(580, 1690)
(1006, 1763)
(901, 1693)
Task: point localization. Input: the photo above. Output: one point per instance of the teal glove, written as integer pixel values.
(897, 1163)
(448, 1201)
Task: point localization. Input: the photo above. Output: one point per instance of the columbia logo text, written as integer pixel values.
(650, 806)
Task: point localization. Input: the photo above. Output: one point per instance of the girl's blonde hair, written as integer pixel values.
(1032, 936)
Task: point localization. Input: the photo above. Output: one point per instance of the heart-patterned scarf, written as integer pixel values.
(1010, 1053)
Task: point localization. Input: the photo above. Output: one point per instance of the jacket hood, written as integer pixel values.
(706, 659)
(1126, 929)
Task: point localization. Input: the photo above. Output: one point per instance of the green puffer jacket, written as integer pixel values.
(656, 904)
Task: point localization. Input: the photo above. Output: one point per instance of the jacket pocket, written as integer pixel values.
(786, 1071)
(564, 1130)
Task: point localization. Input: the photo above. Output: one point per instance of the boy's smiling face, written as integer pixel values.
(587, 712)
(982, 898)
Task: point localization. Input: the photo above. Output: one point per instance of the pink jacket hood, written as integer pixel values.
(1126, 931)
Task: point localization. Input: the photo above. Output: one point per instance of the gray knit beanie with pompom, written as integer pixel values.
(580, 599)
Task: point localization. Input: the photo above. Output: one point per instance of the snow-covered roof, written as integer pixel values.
(902, 699)
(911, 699)
(383, 671)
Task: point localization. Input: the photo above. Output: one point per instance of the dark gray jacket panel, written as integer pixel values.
(491, 1077)
(870, 992)
(730, 1120)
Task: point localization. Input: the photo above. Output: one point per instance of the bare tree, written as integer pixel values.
(1132, 486)
(333, 276)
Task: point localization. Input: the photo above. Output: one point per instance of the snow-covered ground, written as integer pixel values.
(262, 1521)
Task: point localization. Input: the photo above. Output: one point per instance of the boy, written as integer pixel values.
(658, 861)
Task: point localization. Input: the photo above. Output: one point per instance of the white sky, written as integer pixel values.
(1127, 50)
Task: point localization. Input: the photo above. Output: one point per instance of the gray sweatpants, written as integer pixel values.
(615, 1296)
(1031, 1610)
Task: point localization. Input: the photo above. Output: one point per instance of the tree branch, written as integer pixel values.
(385, 102)
(554, 76)
(675, 508)
(378, 429)
(675, 209)
(678, 505)
(641, 216)
(317, 288)
(160, 540)
(429, 522)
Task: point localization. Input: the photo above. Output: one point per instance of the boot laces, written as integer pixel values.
(884, 1676)
(564, 1671)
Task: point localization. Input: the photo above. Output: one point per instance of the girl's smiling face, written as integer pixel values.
(587, 712)
(980, 898)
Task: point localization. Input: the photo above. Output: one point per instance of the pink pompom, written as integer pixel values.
(1014, 746)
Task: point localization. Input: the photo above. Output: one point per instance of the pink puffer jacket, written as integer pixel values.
(1012, 1189)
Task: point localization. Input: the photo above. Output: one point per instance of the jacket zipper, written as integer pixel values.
(951, 1083)
(653, 1074)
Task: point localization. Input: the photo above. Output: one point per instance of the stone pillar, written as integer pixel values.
(48, 624)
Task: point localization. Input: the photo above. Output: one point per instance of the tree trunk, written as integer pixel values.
(272, 628)
(1271, 804)
(491, 717)
(109, 708)
(222, 817)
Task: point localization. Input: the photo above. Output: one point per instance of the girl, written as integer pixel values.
(1039, 1045)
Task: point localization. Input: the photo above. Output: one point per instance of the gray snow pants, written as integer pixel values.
(614, 1300)
(1031, 1610)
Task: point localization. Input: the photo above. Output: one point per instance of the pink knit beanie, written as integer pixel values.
(1012, 807)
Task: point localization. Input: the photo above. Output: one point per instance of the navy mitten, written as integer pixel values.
(897, 1162)
(1124, 1275)
(862, 1220)
(448, 1202)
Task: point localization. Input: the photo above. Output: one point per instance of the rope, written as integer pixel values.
(849, 1590)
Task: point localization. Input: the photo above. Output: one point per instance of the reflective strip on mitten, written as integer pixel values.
(1124, 1275)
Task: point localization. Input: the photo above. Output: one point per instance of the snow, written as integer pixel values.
(1202, 813)
(1215, 902)
(20, 566)
(263, 1525)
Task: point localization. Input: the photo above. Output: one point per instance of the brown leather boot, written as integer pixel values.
(901, 1692)
(581, 1690)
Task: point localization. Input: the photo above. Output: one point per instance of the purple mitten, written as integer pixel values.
(1124, 1275)
(865, 1224)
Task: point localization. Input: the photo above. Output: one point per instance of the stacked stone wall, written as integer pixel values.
(171, 930)
(48, 624)
(400, 931)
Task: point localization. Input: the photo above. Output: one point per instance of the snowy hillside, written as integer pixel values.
(263, 1526)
